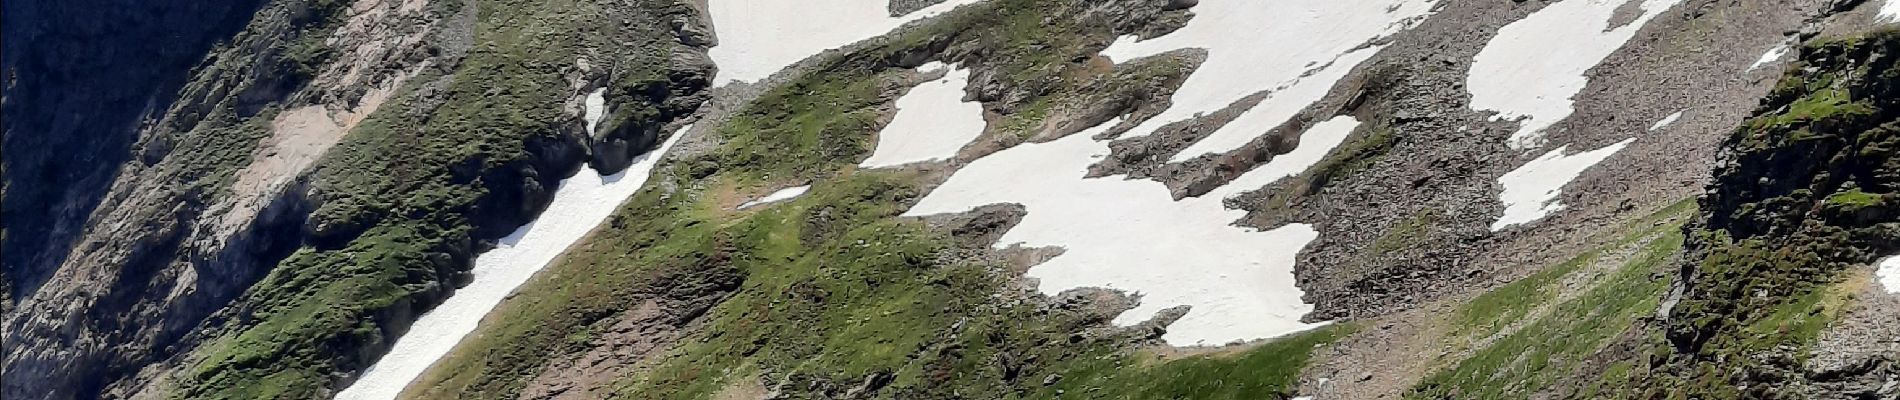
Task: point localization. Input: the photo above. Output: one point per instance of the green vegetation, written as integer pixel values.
(1552, 346)
(1405, 234)
(832, 294)
(399, 196)
(1270, 370)
(1493, 311)
(1356, 155)
(211, 134)
(811, 125)
(1795, 209)
(1855, 199)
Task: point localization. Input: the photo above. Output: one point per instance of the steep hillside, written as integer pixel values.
(990, 199)
(1799, 205)
(295, 151)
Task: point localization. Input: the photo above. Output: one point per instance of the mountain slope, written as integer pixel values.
(1126, 199)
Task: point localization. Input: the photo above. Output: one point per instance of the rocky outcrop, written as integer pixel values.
(82, 79)
(226, 178)
(1804, 193)
(141, 278)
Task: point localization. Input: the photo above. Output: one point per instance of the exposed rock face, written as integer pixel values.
(82, 79)
(170, 210)
(156, 260)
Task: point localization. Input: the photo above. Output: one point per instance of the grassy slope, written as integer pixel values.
(834, 294)
(1536, 340)
(396, 194)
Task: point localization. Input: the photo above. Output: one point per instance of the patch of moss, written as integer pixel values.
(1405, 234)
(1854, 200)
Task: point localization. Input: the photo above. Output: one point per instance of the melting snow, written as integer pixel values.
(932, 123)
(580, 204)
(1769, 57)
(1296, 48)
(760, 37)
(1889, 11)
(1131, 235)
(595, 107)
(1530, 192)
(1534, 66)
(1889, 274)
(778, 196)
(1666, 121)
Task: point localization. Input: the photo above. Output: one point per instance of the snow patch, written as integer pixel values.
(1530, 191)
(1889, 273)
(778, 196)
(760, 37)
(1131, 235)
(1297, 49)
(932, 122)
(593, 108)
(1666, 121)
(1534, 67)
(1889, 11)
(1770, 56)
(580, 203)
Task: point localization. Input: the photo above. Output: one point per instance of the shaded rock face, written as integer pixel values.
(80, 79)
(166, 243)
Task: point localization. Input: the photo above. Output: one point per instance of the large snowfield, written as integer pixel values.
(1521, 76)
(1297, 49)
(1131, 234)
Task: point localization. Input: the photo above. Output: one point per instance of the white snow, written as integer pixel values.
(1666, 121)
(1889, 11)
(1889, 274)
(1530, 191)
(932, 122)
(593, 108)
(580, 204)
(778, 196)
(1769, 57)
(760, 37)
(1131, 235)
(1298, 49)
(1533, 67)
